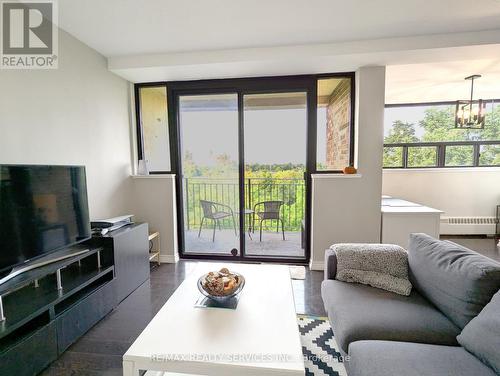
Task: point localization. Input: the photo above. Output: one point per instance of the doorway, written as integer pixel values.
(275, 155)
(208, 127)
(243, 172)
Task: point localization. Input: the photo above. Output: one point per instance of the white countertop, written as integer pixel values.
(409, 209)
(396, 205)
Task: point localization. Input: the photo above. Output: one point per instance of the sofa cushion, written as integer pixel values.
(481, 336)
(387, 358)
(360, 312)
(457, 280)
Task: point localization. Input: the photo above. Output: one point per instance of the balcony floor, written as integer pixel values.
(272, 244)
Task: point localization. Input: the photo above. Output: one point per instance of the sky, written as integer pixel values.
(271, 136)
(407, 114)
(414, 115)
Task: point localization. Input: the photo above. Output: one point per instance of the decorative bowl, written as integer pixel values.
(221, 298)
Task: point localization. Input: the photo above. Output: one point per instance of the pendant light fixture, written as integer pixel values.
(470, 113)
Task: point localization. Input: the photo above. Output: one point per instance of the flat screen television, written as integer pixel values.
(43, 209)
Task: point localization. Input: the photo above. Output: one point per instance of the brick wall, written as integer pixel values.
(338, 117)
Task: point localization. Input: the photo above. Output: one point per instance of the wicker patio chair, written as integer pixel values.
(215, 212)
(269, 210)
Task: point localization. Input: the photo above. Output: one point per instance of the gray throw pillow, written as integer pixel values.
(384, 266)
(481, 336)
(457, 280)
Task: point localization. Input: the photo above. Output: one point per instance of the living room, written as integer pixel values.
(328, 174)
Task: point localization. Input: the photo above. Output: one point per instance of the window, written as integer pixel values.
(423, 135)
(153, 140)
(334, 148)
(459, 155)
(421, 156)
(489, 155)
(335, 124)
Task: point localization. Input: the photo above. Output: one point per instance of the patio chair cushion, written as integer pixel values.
(268, 215)
(457, 280)
(220, 215)
(360, 312)
(388, 358)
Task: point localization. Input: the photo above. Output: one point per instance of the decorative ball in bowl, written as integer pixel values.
(222, 285)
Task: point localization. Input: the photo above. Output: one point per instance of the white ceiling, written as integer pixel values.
(153, 40)
(132, 27)
(443, 81)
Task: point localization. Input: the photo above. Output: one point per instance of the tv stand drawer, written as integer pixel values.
(79, 318)
(32, 354)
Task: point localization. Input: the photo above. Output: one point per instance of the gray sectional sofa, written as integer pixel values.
(448, 325)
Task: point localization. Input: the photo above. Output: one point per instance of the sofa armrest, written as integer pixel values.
(330, 264)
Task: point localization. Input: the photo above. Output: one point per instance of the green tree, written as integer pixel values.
(225, 167)
(400, 132)
(438, 125)
(190, 169)
(490, 154)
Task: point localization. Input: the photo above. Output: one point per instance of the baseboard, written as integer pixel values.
(316, 265)
(169, 258)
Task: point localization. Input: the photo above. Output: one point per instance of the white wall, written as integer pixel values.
(76, 114)
(154, 202)
(459, 192)
(344, 208)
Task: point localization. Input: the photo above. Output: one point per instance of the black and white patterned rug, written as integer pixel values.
(321, 356)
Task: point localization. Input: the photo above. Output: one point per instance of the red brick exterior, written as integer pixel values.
(338, 126)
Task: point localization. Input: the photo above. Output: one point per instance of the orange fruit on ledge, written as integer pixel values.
(349, 170)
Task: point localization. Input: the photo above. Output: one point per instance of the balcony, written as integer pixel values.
(199, 233)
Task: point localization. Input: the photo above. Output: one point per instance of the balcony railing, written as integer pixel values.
(290, 191)
(442, 154)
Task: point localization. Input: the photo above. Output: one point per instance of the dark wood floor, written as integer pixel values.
(100, 351)
(483, 245)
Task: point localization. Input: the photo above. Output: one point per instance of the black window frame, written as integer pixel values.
(139, 130)
(312, 136)
(352, 130)
(439, 145)
(308, 83)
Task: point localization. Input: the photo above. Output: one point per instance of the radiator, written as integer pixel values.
(467, 225)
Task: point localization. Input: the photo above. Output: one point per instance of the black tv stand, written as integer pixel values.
(42, 261)
(51, 305)
(41, 309)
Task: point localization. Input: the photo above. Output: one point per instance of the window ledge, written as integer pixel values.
(336, 176)
(441, 169)
(153, 176)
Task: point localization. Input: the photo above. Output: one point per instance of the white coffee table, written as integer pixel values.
(260, 337)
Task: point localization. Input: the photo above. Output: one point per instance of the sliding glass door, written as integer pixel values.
(275, 155)
(243, 167)
(243, 151)
(243, 162)
(208, 126)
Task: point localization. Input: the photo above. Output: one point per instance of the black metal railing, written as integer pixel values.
(290, 191)
(442, 154)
